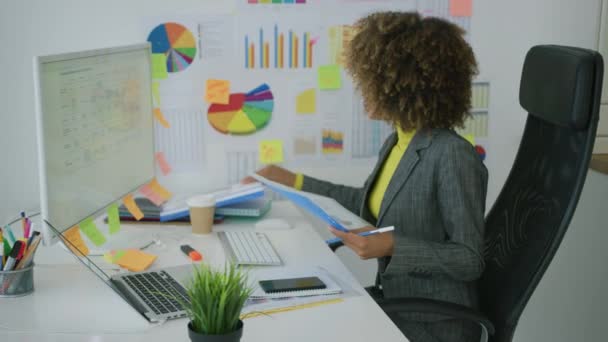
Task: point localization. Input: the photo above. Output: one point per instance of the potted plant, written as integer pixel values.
(216, 299)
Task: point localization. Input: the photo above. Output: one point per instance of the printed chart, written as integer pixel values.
(245, 113)
(288, 50)
(176, 42)
(332, 142)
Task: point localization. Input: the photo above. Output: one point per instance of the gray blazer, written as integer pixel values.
(436, 201)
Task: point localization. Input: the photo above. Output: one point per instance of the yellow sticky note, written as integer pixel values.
(113, 219)
(132, 207)
(135, 260)
(329, 77)
(89, 229)
(470, 138)
(159, 66)
(271, 151)
(461, 8)
(306, 102)
(158, 115)
(156, 93)
(217, 91)
(160, 190)
(165, 168)
(76, 243)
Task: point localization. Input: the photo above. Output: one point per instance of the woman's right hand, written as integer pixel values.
(275, 174)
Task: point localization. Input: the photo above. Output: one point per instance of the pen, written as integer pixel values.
(29, 254)
(191, 253)
(33, 235)
(368, 233)
(23, 222)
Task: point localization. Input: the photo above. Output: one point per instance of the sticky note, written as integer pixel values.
(217, 91)
(76, 243)
(271, 151)
(160, 190)
(470, 138)
(113, 256)
(135, 260)
(156, 93)
(159, 66)
(329, 77)
(150, 194)
(132, 207)
(158, 115)
(165, 168)
(88, 227)
(461, 8)
(306, 102)
(113, 219)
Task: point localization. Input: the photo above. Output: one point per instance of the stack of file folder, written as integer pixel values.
(242, 200)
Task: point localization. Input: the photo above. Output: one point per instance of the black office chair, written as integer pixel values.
(560, 88)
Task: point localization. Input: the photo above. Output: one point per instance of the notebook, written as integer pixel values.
(331, 288)
(252, 208)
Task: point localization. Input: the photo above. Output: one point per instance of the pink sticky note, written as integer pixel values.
(461, 8)
(162, 162)
(150, 194)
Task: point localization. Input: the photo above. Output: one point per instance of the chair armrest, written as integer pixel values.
(423, 305)
(334, 245)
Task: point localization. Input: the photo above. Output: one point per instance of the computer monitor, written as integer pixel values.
(95, 131)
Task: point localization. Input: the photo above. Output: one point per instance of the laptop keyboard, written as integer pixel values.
(158, 290)
(249, 248)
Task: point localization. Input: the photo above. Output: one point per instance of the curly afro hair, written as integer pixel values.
(413, 72)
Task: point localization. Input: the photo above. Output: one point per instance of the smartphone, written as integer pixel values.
(292, 284)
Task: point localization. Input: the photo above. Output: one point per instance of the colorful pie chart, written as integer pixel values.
(176, 42)
(245, 113)
(481, 152)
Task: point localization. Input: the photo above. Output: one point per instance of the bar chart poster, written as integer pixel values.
(176, 42)
(279, 47)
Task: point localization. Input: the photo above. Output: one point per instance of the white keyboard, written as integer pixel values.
(249, 248)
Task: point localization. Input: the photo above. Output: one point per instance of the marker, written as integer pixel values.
(23, 222)
(10, 235)
(12, 258)
(191, 253)
(34, 234)
(368, 233)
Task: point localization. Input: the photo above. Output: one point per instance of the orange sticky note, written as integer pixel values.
(76, 243)
(160, 190)
(461, 8)
(135, 260)
(217, 91)
(150, 194)
(165, 168)
(158, 115)
(271, 151)
(132, 207)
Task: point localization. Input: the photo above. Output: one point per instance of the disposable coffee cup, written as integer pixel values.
(202, 209)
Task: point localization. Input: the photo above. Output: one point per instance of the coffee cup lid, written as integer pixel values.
(201, 201)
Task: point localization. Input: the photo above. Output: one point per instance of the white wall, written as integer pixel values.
(502, 33)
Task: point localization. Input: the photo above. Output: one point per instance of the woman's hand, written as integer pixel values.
(367, 247)
(275, 174)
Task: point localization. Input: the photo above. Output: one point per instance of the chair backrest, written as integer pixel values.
(560, 89)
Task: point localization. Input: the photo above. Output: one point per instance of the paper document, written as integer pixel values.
(325, 208)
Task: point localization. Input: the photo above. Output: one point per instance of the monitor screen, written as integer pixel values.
(95, 130)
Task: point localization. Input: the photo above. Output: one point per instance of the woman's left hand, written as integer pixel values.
(367, 247)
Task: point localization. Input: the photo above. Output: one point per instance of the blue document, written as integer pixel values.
(303, 202)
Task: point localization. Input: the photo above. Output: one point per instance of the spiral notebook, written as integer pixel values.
(331, 288)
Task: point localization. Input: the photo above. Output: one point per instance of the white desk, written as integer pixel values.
(70, 304)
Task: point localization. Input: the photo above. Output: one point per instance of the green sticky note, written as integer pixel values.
(88, 227)
(159, 66)
(113, 219)
(329, 77)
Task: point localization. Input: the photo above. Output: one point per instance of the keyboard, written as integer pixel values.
(158, 290)
(249, 248)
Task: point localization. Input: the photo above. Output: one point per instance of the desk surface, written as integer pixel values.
(88, 310)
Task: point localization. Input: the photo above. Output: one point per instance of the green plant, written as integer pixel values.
(216, 298)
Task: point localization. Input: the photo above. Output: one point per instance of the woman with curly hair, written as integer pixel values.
(429, 182)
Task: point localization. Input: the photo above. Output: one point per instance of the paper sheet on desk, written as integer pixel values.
(324, 208)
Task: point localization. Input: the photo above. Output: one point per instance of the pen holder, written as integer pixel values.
(17, 283)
